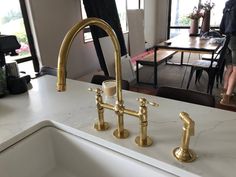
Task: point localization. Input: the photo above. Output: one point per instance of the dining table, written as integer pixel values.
(188, 43)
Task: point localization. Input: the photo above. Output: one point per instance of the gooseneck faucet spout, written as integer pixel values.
(118, 108)
(66, 44)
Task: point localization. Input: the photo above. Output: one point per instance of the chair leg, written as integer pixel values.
(218, 77)
(190, 76)
(221, 74)
(211, 80)
(137, 73)
(198, 75)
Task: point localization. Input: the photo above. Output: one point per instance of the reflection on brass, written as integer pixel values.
(101, 126)
(121, 135)
(143, 142)
(118, 108)
(183, 153)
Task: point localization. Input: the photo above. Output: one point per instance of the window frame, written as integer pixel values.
(180, 27)
(33, 56)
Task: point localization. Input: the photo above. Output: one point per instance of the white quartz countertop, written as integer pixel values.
(214, 141)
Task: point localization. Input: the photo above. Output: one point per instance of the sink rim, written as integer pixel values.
(96, 140)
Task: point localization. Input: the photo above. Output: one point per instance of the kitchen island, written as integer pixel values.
(215, 129)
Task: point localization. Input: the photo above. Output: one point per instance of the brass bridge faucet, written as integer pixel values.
(118, 108)
(183, 153)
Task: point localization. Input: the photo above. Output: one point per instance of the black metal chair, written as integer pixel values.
(98, 79)
(213, 67)
(220, 72)
(189, 96)
(212, 34)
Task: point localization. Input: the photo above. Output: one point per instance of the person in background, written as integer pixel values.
(228, 27)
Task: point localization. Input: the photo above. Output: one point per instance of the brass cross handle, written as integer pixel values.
(97, 90)
(143, 139)
(101, 125)
(144, 101)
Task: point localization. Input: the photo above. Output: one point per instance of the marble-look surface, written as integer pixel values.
(214, 140)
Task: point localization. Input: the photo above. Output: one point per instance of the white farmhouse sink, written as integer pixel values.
(52, 152)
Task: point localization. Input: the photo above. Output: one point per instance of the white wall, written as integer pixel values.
(155, 21)
(150, 21)
(162, 20)
(51, 19)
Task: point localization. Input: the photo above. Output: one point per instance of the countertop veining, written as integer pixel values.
(214, 140)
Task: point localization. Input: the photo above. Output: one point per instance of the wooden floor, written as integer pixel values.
(176, 76)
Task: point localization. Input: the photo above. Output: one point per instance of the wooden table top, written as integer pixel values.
(188, 43)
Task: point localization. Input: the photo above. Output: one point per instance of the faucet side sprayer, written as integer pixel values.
(183, 153)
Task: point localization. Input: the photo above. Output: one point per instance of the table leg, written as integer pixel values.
(182, 58)
(155, 67)
(137, 72)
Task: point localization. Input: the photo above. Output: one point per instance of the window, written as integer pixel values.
(14, 21)
(179, 10)
(122, 6)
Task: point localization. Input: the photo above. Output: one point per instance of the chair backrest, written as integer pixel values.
(212, 34)
(222, 53)
(186, 96)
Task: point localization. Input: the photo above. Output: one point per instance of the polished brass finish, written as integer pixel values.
(183, 153)
(143, 142)
(118, 108)
(121, 134)
(66, 44)
(143, 139)
(100, 125)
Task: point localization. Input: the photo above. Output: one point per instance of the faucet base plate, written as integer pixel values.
(121, 135)
(184, 156)
(143, 143)
(100, 127)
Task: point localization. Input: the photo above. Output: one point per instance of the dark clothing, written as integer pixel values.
(228, 27)
(228, 22)
(232, 46)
